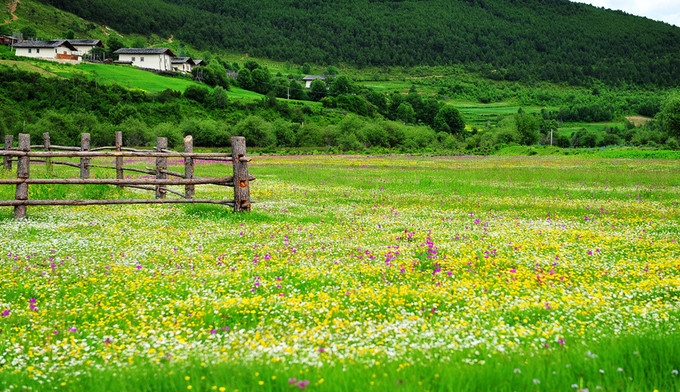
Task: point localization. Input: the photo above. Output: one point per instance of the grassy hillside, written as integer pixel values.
(526, 40)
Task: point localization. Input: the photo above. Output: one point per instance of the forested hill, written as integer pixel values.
(553, 40)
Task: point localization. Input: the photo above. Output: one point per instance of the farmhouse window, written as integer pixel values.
(37, 50)
(141, 58)
(133, 58)
(30, 50)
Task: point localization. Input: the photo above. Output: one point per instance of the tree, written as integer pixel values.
(317, 90)
(306, 68)
(220, 98)
(261, 80)
(199, 94)
(449, 119)
(340, 85)
(114, 44)
(28, 32)
(405, 113)
(251, 65)
(527, 128)
(257, 131)
(331, 71)
(670, 116)
(244, 79)
(295, 90)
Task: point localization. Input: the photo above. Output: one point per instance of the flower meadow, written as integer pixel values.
(356, 273)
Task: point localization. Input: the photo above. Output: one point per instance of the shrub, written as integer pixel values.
(135, 132)
(197, 93)
(309, 135)
(171, 132)
(257, 131)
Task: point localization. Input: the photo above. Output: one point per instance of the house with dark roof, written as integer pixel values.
(156, 59)
(7, 40)
(183, 64)
(84, 46)
(60, 50)
(310, 78)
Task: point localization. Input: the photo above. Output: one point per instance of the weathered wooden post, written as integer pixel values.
(48, 160)
(23, 171)
(241, 185)
(85, 162)
(7, 160)
(119, 159)
(189, 166)
(161, 166)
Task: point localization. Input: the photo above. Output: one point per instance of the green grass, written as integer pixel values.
(139, 297)
(131, 77)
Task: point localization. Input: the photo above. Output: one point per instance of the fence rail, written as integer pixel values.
(25, 153)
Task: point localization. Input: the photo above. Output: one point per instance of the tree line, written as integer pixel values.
(350, 118)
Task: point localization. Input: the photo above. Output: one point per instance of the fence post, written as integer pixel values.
(189, 166)
(23, 171)
(161, 166)
(85, 162)
(119, 160)
(7, 160)
(241, 185)
(48, 160)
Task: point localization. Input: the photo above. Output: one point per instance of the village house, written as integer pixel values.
(84, 46)
(183, 64)
(310, 78)
(60, 50)
(156, 59)
(7, 40)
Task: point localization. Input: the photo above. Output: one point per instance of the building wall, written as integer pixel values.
(184, 67)
(83, 49)
(38, 53)
(149, 61)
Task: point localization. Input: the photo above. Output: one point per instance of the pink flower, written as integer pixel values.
(5, 313)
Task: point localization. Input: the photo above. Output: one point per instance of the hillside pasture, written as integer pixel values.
(356, 273)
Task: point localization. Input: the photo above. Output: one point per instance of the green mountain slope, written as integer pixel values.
(553, 40)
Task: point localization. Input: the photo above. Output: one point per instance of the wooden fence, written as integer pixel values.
(25, 153)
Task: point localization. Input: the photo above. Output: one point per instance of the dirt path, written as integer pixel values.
(638, 120)
(12, 7)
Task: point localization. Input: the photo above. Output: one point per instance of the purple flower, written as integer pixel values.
(73, 329)
(5, 313)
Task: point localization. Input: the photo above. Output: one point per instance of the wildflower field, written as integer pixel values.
(355, 273)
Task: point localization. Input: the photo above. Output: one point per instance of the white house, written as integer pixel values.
(310, 78)
(157, 59)
(47, 50)
(183, 64)
(83, 46)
